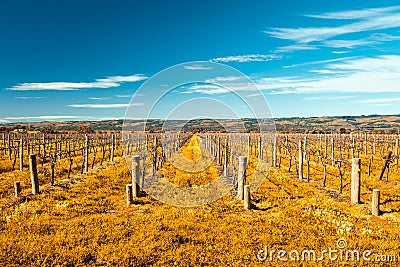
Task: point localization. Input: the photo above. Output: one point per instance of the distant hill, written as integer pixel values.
(295, 124)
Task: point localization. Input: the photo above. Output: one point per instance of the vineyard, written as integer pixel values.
(102, 199)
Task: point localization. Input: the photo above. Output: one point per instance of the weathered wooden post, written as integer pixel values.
(135, 176)
(396, 151)
(17, 188)
(112, 147)
(154, 169)
(53, 163)
(300, 160)
(369, 168)
(247, 198)
(44, 145)
(274, 152)
(376, 193)
(34, 174)
(241, 176)
(219, 150)
(86, 156)
(21, 154)
(9, 146)
(248, 144)
(129, 194)
(4, 144)
(355, 180)
(365, 144)
(333, 151)
(226, 167)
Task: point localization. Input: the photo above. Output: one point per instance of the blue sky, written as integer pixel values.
(83, 60)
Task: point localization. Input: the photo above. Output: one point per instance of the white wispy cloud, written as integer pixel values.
(338, 75)
(123, 96)
(121, 79)
(379, 100)
(356, 14)
(381, 105)
(61, 86)
(313, 34)
(45, 117)
(57, 118)
(320, 62)
(246, 58)
(29, 97)
(373, 39)
(206, 89)
(104, 105)
(222, 79)
(109, 82)
(328, 97)
(197, 67)
(384, 37)
(340, 52)
(324, 71)
(283, 92)
(99, 98)
(362, 75)
(296, 47)
(372, 19)
(348, 43)
(253, 95)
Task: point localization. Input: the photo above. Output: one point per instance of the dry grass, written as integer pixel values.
(84, 222)
(190, 167)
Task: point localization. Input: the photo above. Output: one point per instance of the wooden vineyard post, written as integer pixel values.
(219, 150)
(86, 156)
(376, 193)
(44, 149)
(53, 164)
(386, 164)
(9, 146)
(369, 168)
(129, 194)
(226, 167)
(333, 151)
(396, 151)
(365, 144)
(274, 152)
(135, 176)
(241, 176)
(324, 179)
(143, 173)
(34, 174)
(300, 160)
(355, 180)
(247, 199)
(21, 154)
(4, 144)
(17, 188)
(248, 144)
(154, 169)
(112, 147)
